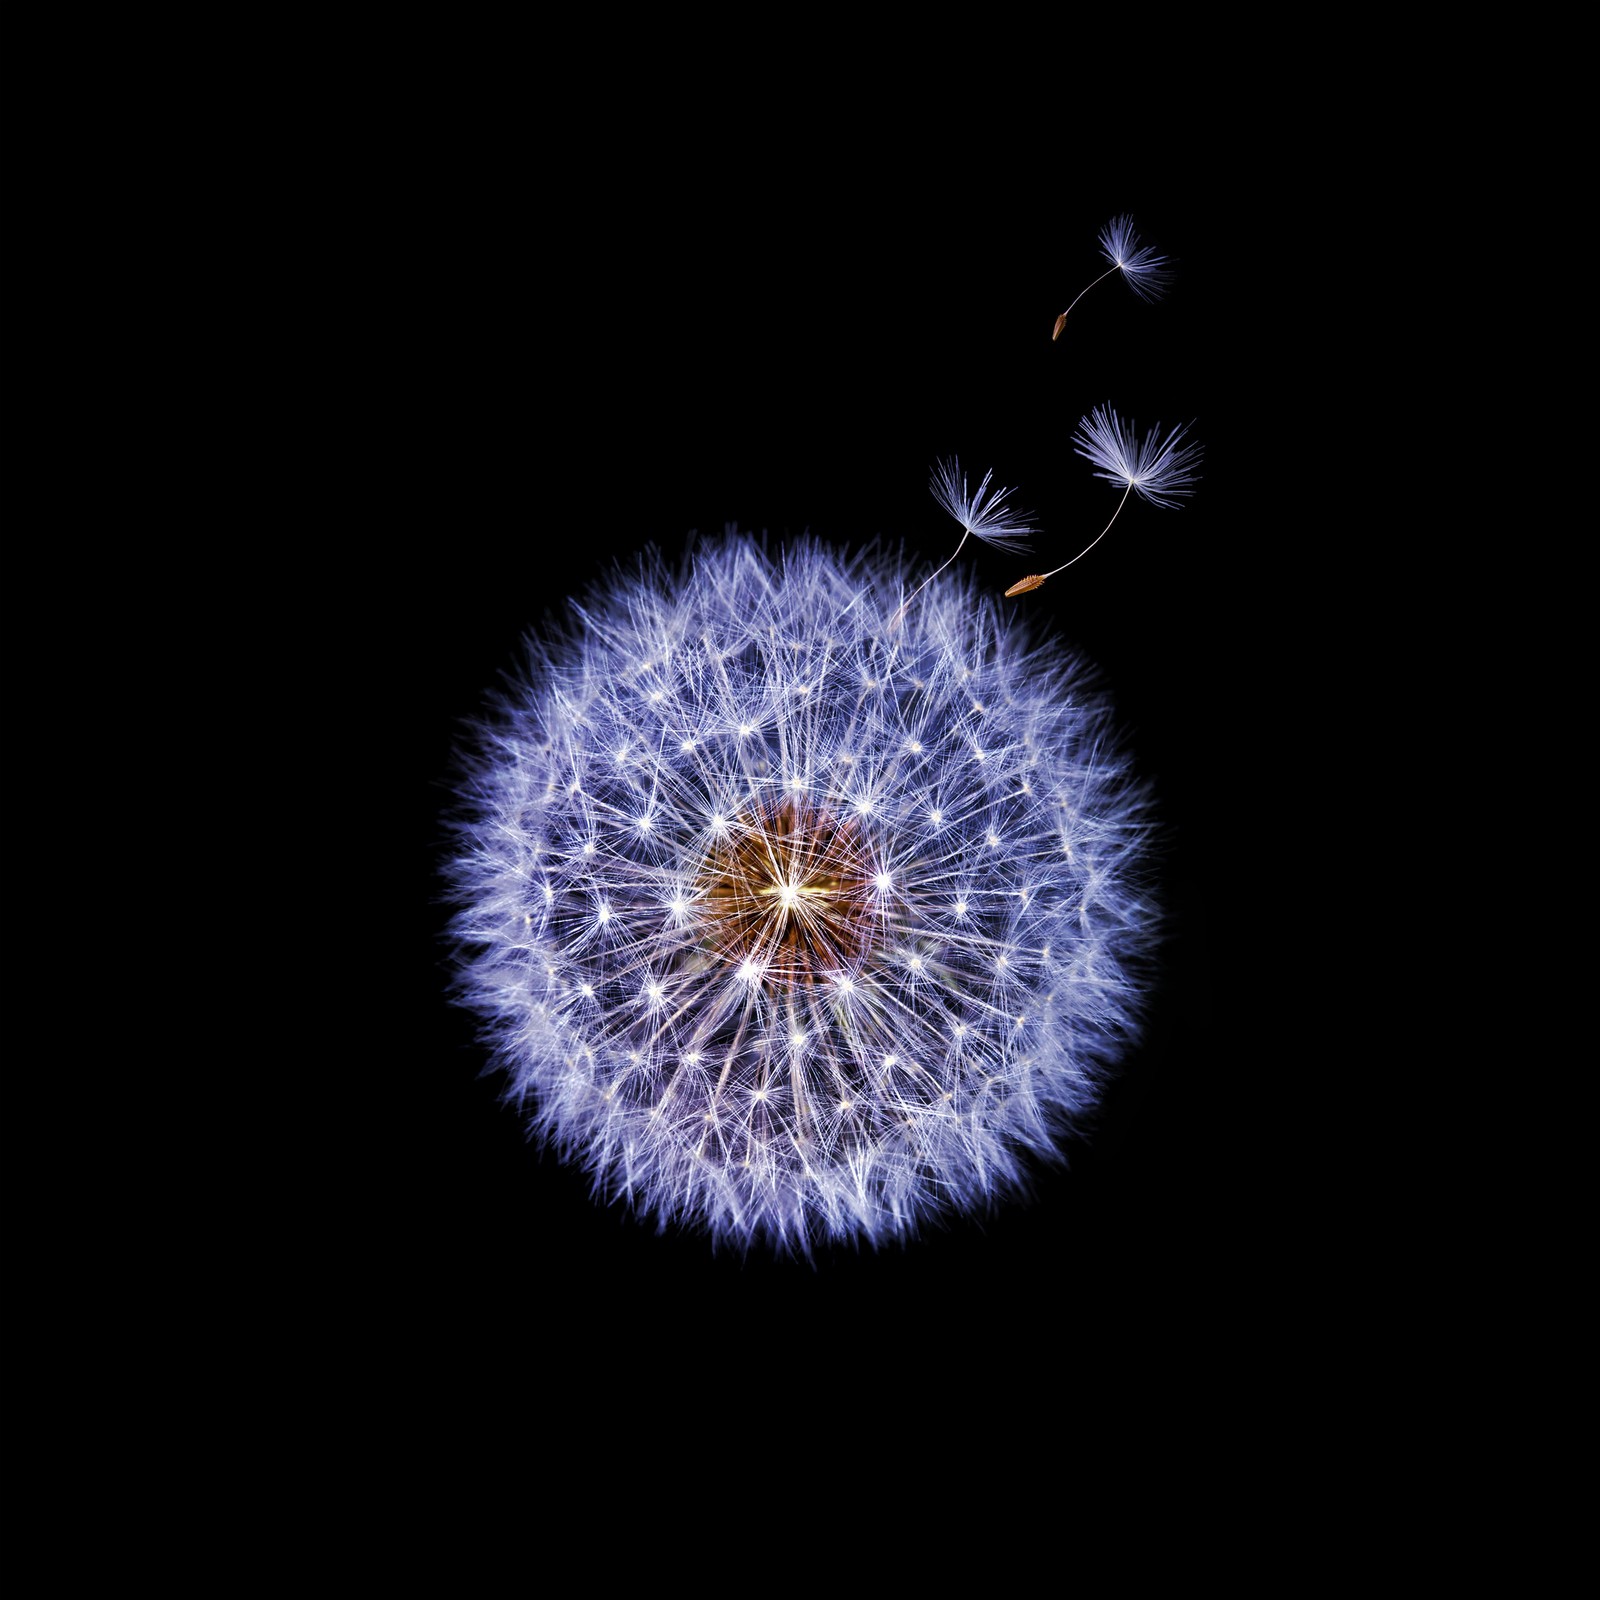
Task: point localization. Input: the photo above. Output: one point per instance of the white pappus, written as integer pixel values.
(794, 916)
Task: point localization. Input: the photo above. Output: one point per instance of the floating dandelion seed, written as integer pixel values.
(984, 515)
(882, 937)
(1160, 471)
(1146, 271)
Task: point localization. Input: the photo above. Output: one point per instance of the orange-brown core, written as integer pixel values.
(789, 890)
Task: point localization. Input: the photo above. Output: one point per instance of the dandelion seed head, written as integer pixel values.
(763, 1044)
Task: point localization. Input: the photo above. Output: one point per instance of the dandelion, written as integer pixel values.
(1159, 470)
(1147, 271)
(984, 515)
(882, 938)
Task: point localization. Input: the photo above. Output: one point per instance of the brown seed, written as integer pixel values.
(1061, 322)
(1023, 585)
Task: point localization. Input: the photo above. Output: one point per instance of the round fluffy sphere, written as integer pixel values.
(792, 917)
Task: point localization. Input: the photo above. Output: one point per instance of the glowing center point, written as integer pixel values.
(791, 895)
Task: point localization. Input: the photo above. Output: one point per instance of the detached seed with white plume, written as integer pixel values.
(1147, 272)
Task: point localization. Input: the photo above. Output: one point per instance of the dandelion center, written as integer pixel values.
(787, 891)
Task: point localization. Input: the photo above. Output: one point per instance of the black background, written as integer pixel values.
(383, 382)
(615, 360)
